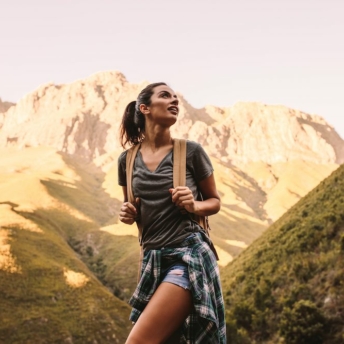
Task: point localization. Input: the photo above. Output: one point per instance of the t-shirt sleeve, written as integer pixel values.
(201, 164)
(122, 178)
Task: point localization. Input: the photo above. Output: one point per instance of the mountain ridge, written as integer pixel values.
(83, 118)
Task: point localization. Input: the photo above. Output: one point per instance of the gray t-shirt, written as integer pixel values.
(163, 223)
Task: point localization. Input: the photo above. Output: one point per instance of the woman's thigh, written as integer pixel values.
(177, 274)
(164, 314)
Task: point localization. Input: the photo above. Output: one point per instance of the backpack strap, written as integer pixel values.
(179, 162)
(130, 159)
(131, 154)
(179, 179)
(179, 175)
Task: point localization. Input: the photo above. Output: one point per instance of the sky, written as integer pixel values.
(218, 52)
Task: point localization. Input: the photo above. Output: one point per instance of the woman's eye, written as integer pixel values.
(164, 95)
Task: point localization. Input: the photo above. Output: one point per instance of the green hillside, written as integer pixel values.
(52, 297)
(55, 284)
(288, 286)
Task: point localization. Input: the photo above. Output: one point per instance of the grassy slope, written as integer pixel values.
(288, 285)
(46, 204)
(113, 258)
(38, 306)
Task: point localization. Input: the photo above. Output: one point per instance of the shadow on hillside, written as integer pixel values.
(255, 198)
(11, 204)
(86, 195)
(229, 208)
(113, 260)
(236, 228)
(84, 208)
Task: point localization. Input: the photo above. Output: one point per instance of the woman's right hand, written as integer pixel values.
(129, 212)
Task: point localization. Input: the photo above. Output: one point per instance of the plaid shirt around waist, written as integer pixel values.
(206, 325)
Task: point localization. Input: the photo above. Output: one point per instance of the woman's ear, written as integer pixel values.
(144, 109)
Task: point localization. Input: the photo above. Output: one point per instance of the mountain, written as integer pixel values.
(287, 286)
(250, 132)
(82, 118)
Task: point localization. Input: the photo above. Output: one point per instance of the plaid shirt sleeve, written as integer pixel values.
(207, 323)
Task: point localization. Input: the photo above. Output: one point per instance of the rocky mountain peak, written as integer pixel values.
(258, 132)
(83, 118)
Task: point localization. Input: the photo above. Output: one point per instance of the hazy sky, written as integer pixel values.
(217, 52)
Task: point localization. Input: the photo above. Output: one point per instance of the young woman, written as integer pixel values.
(178, 298)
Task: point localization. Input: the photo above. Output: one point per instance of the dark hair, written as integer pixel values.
(132, 128)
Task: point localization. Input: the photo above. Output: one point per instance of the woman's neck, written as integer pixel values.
(157, 141)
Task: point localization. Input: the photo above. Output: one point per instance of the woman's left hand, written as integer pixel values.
(183, 198)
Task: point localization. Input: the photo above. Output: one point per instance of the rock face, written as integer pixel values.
(257, 132)
(80, 118)
(83, 118)
(4, 106)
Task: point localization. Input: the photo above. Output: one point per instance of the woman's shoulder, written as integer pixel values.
(192, 146)
(122, 157)
(197, 157)
(195, 149)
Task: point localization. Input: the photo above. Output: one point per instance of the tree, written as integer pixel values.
(302, 324)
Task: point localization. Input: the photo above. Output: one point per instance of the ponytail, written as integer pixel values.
(132, 130)
(132, 126)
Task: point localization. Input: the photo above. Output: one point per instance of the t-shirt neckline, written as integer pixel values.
(159, 165)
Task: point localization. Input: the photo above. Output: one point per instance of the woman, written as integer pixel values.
(178, 298)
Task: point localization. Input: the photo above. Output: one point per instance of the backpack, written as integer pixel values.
(179, 179)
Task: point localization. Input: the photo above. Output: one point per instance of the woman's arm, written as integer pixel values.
(211, 204)
(128, 211)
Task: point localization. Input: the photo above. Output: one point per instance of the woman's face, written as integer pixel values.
(163, 108)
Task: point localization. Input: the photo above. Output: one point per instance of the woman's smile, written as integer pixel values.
(173, 109)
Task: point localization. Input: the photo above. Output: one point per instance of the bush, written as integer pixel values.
(288, 226)
(302, 324)
(235, 335)
(243, 313)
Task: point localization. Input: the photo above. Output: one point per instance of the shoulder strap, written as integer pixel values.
(131, 154)
(179, 179)
(179, 174)
(179, 162)
(130, 159)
